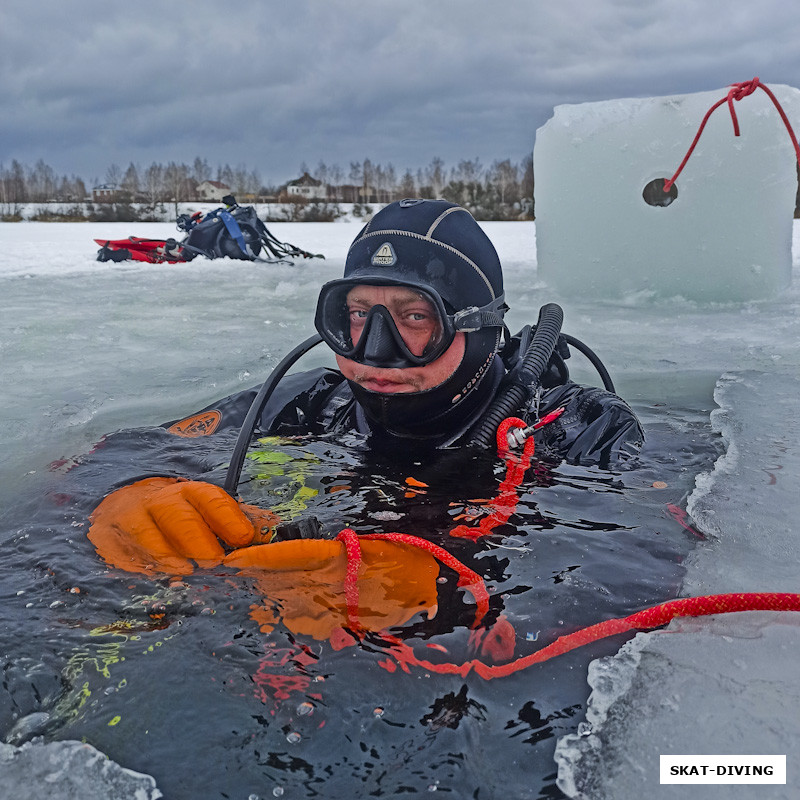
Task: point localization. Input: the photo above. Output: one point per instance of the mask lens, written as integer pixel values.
(351, 318)
(413, 314)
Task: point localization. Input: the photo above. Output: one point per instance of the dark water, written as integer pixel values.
(175, 678)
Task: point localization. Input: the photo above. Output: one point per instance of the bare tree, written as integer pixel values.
(154, 184)
(17, 185)
(321, 173)
(408, 186)
(527, 182)
(41, 182)
(505, 178)
(368, 180)
(77, 191)
(225, 175)
(130, 181)
(177, 183)
(336, 178)
(13, 189)
(114, 175)
(435, 176)
(201, 171)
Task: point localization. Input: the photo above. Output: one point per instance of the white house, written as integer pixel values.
(212, 190)
(307, 187)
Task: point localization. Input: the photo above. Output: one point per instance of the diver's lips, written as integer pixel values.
(385, 386)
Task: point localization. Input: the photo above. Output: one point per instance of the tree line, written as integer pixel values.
(501, 190)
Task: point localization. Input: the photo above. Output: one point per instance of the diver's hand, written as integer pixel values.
(164, 524)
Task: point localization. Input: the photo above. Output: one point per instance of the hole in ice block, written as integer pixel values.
(654, 194)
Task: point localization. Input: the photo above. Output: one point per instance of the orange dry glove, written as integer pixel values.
(163, 524)
(303, 584)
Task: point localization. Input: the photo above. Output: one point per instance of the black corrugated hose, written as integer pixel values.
(516, 396)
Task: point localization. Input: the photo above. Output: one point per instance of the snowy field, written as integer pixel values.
(89, 348)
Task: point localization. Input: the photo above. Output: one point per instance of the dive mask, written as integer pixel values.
(394, 324)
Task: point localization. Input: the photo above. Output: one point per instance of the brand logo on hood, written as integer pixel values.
(384, 256)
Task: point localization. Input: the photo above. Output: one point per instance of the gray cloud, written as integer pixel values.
(271, 84)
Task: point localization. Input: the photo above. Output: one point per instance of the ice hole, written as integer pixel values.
(654, 194)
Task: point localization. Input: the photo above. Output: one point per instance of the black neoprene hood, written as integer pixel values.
(429, 242)
(439, 246)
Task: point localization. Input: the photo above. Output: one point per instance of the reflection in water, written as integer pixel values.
(223, 684)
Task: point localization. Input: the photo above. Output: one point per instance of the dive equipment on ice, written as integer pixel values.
(231, 232)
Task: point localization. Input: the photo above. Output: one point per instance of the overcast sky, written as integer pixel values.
(270, 84)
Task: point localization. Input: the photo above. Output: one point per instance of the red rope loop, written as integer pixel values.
(738, 91)
(507, 499)
(467, 578)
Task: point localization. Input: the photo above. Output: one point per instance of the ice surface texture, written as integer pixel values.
(68, 771)
(726, 237)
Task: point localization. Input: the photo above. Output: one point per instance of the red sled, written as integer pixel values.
(154, 251)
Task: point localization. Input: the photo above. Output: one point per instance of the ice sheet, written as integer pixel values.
(69, 771)
(726, 684)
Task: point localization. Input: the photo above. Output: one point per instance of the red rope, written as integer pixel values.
(738, 91)
(647, 619)
(467, 579)
(352, 547)
(516, 466)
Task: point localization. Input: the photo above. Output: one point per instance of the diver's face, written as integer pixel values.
(417, 322)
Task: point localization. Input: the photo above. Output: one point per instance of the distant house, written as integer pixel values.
(306, 187)
(105, 193)
(212, 190)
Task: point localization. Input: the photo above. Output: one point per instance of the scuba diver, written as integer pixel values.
(416, 326)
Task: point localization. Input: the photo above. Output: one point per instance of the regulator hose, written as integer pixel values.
(534, 363)
(608, 384)
(257, 406)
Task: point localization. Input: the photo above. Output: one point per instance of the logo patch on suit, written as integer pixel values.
(202, 424)
(384, 256)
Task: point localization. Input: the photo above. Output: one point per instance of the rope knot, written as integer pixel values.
(741, 90)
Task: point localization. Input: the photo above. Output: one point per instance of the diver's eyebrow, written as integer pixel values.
(412, 302)
(417, 298)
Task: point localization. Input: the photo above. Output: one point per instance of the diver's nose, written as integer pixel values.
(379, 346)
